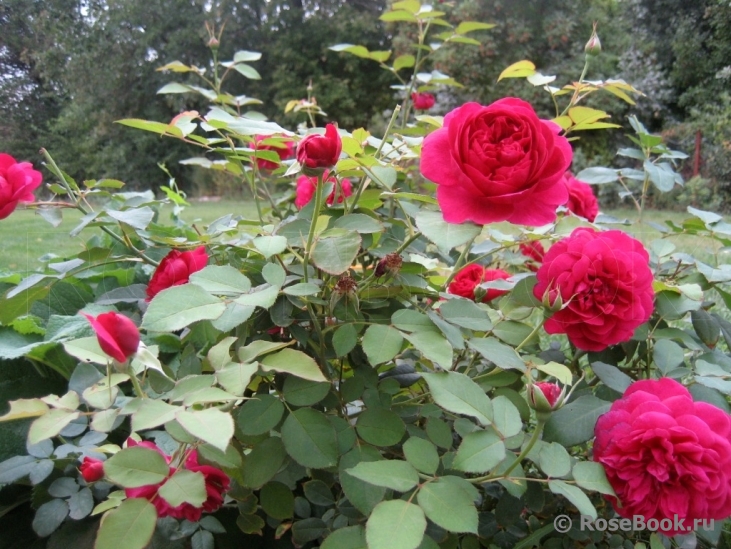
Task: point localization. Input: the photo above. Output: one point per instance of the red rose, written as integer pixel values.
(550, 390)
(469, 278)
(118, 336)
(92, 469)
(283, 148)
(497, 163)
(307, 185)
(18, 180)
(422, 101)
(534, 251)
(318, 152)
(605, 283)
(666, 455)
(582, 201)
(175, 269)
(216, 483)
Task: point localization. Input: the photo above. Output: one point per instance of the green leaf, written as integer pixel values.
(380, 427)
(667, 355)
(151, 413)
(138, 218)
(297, 363)
(235, 377)
(335, 250)
(554, 460)
(136, 466)
(221, 280)
(465, 313)
(479, 452)
(519, 69)
(395, 524)
(598, 175)
(262, 463)
(457, 393)
(612, 376)
(318, 493)
(381, 343)
(258, 348)
(470, 26)
(203, 539)
(277, 500)
(259, 415)
(559, 371)
(362, 495)
(49, 516)
(24, 408)
(345, 339)
(310, 439)
(445, 235)
(503, 356)
(50, 424)
(574, 423)
(405, 61)
(303, 392)
(263, 297)
(184, 487)
(422, 454)
(86, 349)
(155, 127)
(433, 346)
(133, 522)
(591, 476)
(210, 425)
(361, 223)
(394, 474)
(506, 417)
(302, 289)
(270, 245)
(247, 70)
(177, 307)
(398, 15)
(350, 537)
(575, 496)
(449, 504)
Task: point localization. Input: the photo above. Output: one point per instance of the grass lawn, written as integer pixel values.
(25, 236)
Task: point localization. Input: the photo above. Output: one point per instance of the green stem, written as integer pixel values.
(575, 96)
(530, 335)
(136, 384)
(460, 259)
(417, 65)
(313, 225)
(526, 450)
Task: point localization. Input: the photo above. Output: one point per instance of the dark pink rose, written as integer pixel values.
(605, 283)
(18, 180)
(497, 163)
(422, 101)
(283, 148)
(534, 251)
(175, 269)
(550, 390)
(467, 279)
(318, 152)
(92, 469)
(666, 455)
(306, 186)
(582, 201)
(118, 336)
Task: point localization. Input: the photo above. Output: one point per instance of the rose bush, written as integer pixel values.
(379, 367)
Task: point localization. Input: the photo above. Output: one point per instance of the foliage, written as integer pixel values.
(317, 370)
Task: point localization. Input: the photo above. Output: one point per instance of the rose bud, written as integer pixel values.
(422, 101)
(175, 269)
(118, 336)
(92, 469)
(316, 153)
(18, 180)
(593, 46)
(545, 397)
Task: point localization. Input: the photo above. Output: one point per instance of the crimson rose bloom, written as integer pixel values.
(666, 455)
(497, 163)
(216, 482)
(422, 101)
(284, 149)
(92, 469)
(467, 279)
(175, 269)
(18, 180)
(582, 201)
(307, 185)
(318, 152)
(605, 283)
(118, 336)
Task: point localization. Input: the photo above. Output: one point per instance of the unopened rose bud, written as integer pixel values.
(593, 46)
(552, 300)
(545, 397)
(92, 469)
(213, 43)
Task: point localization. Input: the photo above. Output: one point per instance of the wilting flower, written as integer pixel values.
(307, 185)
(497, 163)
(118, 336)
(604, 283)
(175, 269)
(18, 180)
(317, 152)
(666, 455)
(422, 101)
(468, 279)
(391, 264)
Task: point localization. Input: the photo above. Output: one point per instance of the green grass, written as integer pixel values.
(25, 236)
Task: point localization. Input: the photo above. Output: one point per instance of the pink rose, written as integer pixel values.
(534, 251)
(307, 185)
(422, 101)
(316, 152)
(605, 283)
(18, 180)
(283, 148)
(582, 201)
(666, 455)
(92, 469)
(470, 277)
(175, 269)
(118, 336)
(497, 163)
